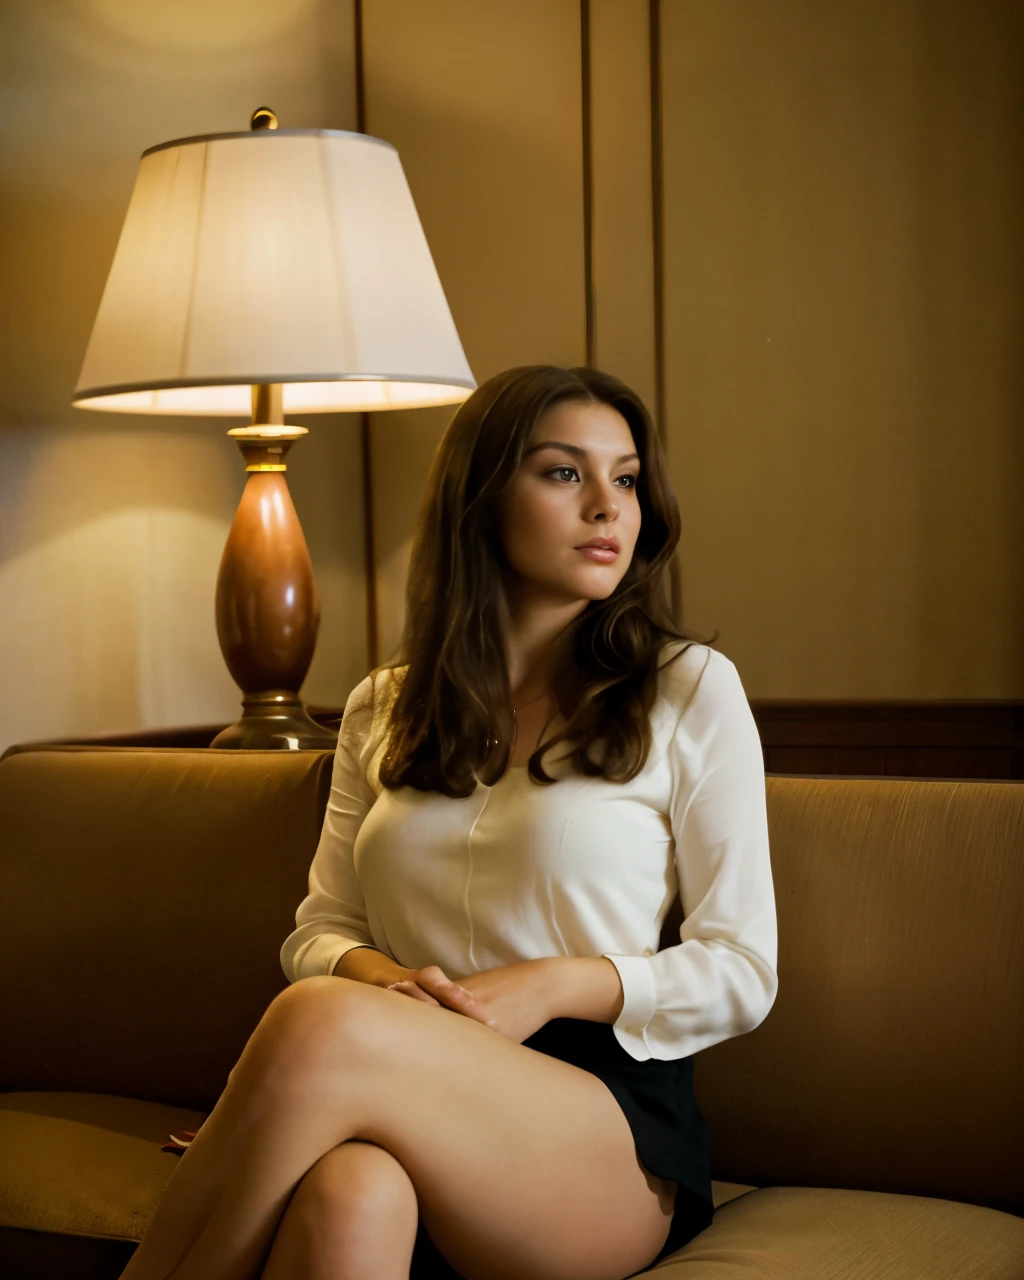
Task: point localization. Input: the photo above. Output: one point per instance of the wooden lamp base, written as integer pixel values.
(268, 612)
(275, 720)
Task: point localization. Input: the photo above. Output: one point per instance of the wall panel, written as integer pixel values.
(622, 219)
(843, 272)
(483, 102)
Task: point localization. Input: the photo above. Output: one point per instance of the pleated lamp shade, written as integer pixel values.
(291, 256)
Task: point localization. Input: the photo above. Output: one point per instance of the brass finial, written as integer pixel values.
(263, 118)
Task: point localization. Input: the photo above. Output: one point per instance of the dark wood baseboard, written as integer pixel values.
(963, 738)
(958, 738)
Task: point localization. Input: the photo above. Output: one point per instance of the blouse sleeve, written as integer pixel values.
(332, 919)
(720, 979)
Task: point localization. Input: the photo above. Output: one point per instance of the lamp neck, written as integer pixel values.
(266, 441)
(267, 403)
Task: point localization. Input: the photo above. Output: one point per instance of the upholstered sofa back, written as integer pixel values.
(893, 1058)
(144, 897)
(145, 893)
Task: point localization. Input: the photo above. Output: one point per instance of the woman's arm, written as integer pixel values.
(721, 979)
(518, 999)
(584, 987)
(432, 984)
(332, 918)
(367, 964)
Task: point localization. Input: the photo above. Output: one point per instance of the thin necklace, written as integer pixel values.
(527, 704)
(492, 741)
(515, 724)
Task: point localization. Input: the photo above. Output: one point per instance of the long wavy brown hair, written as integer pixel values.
(455, 686)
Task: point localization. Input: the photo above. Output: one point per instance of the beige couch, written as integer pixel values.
(871, 1127)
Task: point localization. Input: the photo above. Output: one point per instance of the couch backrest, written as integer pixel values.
(144, 896)
(145, 893)
(893, 1058)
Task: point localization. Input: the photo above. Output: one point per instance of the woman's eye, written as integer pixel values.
(560, 472)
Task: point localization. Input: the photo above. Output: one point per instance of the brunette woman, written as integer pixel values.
(484, 1064)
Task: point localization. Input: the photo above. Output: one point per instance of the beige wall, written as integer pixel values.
(841, 273)
(843, 283)
(112, 527)
(483, 103)
(841, 278)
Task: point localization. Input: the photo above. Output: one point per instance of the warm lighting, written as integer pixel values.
(257, 274)
(291, 256)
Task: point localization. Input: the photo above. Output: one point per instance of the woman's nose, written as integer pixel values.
(603, 507)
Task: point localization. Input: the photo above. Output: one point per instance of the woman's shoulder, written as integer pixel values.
(368, 707)
(687, 668)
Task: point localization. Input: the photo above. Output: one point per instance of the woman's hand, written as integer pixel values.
(515, 999)
(433, 986)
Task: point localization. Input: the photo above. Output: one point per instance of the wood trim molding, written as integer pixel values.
(962, 739)
(956, 738)
(589, 309)
(675, 578)
(658, 215)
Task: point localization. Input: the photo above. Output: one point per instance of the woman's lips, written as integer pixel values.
(603, 555)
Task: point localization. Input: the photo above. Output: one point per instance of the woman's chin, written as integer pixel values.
(596, 583)
(595, 586)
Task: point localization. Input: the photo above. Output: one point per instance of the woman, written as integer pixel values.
(487, 1060)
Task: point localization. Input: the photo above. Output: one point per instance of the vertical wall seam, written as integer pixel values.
(359, 71)
(366, 457)
(657, 214)
(589, 313)
(658, 251)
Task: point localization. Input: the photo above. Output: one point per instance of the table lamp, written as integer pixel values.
(258, 273)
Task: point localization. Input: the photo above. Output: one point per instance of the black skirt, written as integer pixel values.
(669, 1131)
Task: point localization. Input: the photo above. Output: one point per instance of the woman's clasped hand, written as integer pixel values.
(514, 999)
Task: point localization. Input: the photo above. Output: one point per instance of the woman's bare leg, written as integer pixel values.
(523, 1165)
(354, 1216)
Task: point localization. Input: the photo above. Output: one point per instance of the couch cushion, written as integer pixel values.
(144, 898)
(90, 1164)
(808, 1233)
(85, 1164)
(893, 1055)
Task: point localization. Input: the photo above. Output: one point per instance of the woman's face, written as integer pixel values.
(576, 483)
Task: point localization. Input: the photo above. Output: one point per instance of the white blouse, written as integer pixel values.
(584, 867)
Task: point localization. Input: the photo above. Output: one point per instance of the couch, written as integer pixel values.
(870, 1127)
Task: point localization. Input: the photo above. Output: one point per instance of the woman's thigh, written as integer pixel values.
(524, 1166)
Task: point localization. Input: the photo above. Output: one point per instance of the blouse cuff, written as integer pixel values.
(639, 1001)
(320, 955)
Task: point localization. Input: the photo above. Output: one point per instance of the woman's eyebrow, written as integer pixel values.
(575, 450)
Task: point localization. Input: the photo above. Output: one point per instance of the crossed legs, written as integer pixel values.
(353, 1111)
(354, 1216)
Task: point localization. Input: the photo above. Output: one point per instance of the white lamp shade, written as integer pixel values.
(291, 256)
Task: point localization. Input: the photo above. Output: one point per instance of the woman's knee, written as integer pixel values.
(354, 1212)
(357, 1197)
(313, 1023)
(358, 1187)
